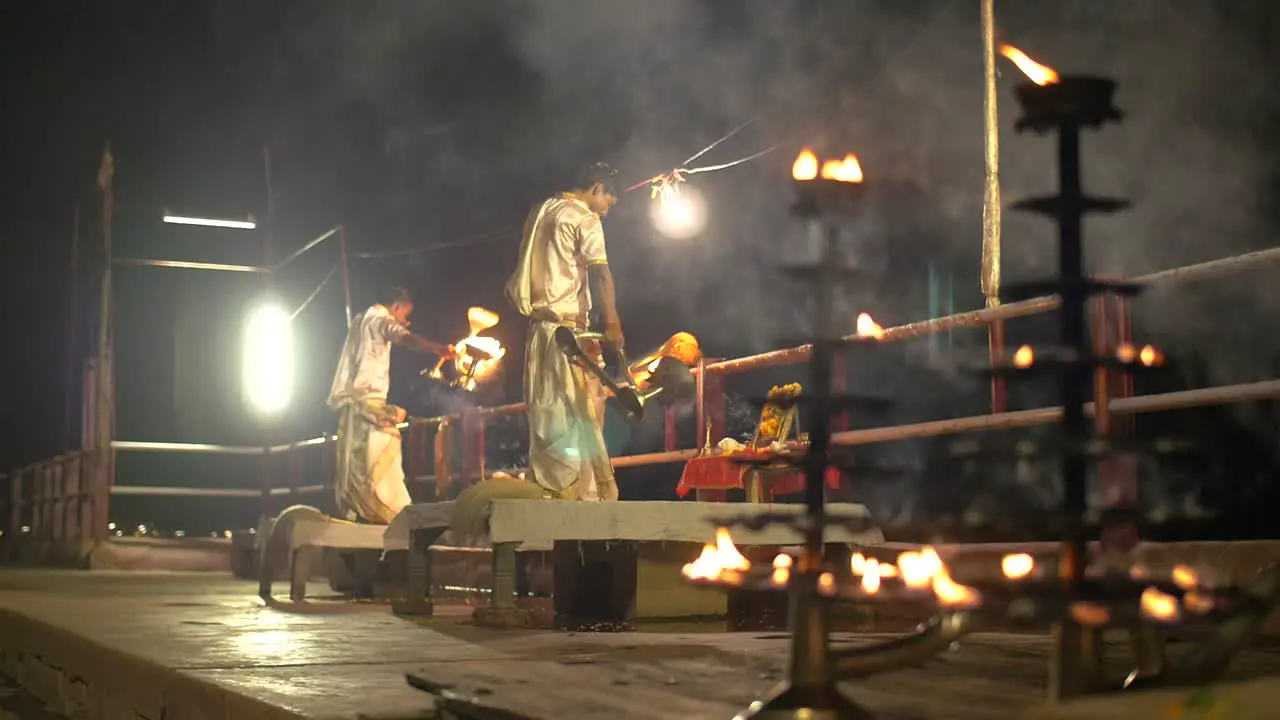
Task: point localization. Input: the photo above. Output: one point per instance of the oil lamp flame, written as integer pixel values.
(481, 319)
(867, 327)
(953, 594)
(871, 578)
(1017, 566)
(1024, 357)
(1185, 577)
(1149, 355)
(717, 559)
(827, 583)
(848, 170)
(1035, 72)
(1158, 606)
(806, 166)
(1089, 614)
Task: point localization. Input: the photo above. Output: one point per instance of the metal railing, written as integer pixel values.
(67, 498)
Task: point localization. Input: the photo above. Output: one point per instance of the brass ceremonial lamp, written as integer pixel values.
(1076, 604)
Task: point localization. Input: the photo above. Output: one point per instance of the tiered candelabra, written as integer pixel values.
(1075, 601)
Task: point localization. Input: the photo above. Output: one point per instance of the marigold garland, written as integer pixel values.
(778, 400)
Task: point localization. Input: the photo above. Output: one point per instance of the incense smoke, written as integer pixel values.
(550, 85)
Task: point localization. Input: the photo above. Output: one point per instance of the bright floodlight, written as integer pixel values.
(211, 222)
(268, 359)
(679, 215)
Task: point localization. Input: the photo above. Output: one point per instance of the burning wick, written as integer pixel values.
(1089, 614)
(1158, 606)
(1185, 577)
(1148, 355)
(1035, 72)
(1198, 603)
(477, 356)
(781, 569)
(847, 170)
(867, 327)
(1017, 566)
(827, 584)
(871, 578)
(807, 168)
(717, 560)
(1024, 357)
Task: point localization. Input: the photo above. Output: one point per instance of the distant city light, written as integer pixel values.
(211, 222)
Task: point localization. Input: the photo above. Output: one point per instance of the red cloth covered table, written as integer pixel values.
(728, 472)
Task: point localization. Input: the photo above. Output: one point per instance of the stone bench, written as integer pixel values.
(581, 534)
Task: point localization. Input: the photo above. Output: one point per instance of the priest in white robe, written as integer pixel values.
(562, 258)
(370, 481)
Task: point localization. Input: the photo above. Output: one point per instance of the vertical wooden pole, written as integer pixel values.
(346, 271)
(991, 198)
(268, 429)
(105, 387)
(991, 156)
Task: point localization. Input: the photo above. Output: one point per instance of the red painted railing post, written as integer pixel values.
(443, 459)
(415, 456)
(995, 348)
(473, 448)
(1117, 472)
(669, 440)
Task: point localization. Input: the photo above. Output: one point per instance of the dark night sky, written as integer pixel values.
(420, 123)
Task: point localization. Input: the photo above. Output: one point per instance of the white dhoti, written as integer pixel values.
(370, 479)
(567, 454)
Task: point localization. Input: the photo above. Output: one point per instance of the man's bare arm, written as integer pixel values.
(423, 345)
(603, 292)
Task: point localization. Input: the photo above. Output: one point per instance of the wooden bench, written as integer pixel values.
(301, 531)
(604, 532)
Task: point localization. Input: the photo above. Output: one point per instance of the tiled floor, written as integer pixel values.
(259, 662)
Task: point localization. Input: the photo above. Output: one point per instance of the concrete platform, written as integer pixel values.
(188, 645)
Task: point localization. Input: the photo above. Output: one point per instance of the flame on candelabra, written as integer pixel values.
(476, 356)
(848, 170)
(1149, 355)
(1185, 577)
(806, 166)
(845, 170)
(867, 327)
(1159, 606)
(1017, 566)
(1035, 72)
(718, 561)
(682, 346)
(919, 571)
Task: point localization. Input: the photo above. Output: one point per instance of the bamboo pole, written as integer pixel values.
(104, 383)
(991, 155)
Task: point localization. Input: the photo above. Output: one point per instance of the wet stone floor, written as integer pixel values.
(350, 661)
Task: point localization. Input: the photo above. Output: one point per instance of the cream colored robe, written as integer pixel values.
(369, 479)
(567, 454)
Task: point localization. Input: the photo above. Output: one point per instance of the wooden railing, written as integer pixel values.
(67, 499)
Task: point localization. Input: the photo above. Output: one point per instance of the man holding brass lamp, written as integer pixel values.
(562, 261)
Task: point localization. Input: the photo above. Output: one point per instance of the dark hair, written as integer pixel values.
(396, 295)
(601, 173)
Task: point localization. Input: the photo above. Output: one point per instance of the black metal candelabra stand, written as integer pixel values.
(1075, 602)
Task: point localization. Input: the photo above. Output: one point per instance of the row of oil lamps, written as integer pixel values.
(917, 573)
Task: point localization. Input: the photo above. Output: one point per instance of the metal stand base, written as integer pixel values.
(788, 701)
